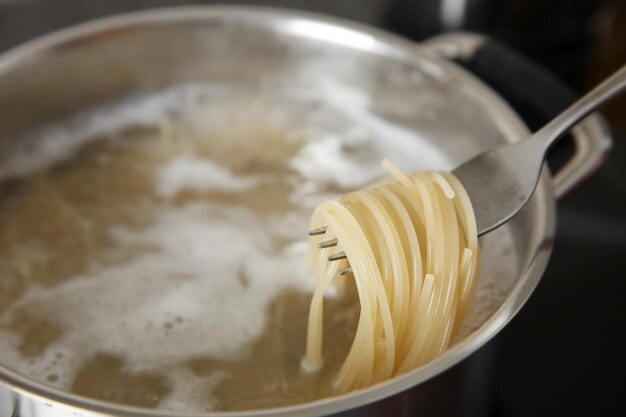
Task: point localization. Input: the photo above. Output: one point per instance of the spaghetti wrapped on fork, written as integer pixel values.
(411, 244)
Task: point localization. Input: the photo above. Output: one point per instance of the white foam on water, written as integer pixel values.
(350, 155)
(192, 272)
(60, 142)
(189, 173)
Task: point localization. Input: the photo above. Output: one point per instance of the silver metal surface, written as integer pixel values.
(457, 45)
(501, 181)
(337, 256)
(84, 67)
(327, 243)
(592, 138)
(318, 231)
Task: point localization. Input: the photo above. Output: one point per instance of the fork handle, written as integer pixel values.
(610, 88)
(538, 97)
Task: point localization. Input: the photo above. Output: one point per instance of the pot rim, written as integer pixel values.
(380, 42)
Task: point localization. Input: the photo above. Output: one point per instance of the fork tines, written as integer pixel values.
(329, 244)
(318, 231)
(337, 256)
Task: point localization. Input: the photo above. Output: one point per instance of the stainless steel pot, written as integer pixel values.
(82, 67)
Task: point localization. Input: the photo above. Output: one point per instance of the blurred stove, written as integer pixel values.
(563, 353)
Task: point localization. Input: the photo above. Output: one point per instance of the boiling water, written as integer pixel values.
(154, 253)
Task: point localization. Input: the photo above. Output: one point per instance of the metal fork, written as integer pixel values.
(500, 181)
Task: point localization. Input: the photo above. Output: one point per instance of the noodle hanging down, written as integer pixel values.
(412, 244)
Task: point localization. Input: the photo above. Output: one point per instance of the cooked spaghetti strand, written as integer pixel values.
(412, 245)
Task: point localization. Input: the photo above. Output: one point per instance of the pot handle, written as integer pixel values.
(537, 95)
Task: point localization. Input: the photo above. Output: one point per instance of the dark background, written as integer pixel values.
(563, 355)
